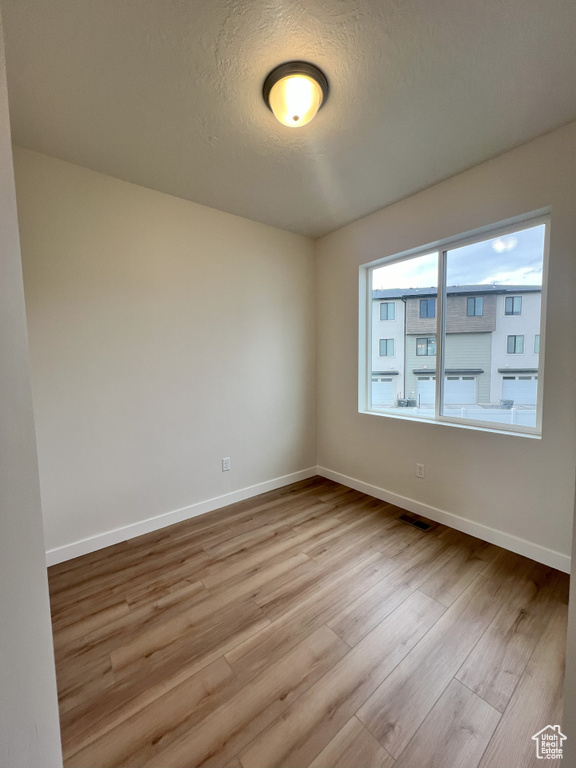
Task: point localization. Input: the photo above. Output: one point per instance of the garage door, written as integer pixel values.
(458, 390)
(521, 389)
(383, 391)
(426, 392)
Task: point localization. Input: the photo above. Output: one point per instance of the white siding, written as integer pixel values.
(528, 325)
(389, 329)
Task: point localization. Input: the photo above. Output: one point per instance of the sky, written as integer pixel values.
(514, 259)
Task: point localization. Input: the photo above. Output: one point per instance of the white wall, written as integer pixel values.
(520, 487)
(29, 731)
(164, 335)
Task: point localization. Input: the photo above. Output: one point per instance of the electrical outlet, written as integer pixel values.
(225, 464)
(420, 471)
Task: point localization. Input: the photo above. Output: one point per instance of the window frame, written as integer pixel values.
(427, 302)
(513, 300)
(515, 336)
(476, 300)
(441, 247)
(428, 339)
(387, 305)
(385, 354)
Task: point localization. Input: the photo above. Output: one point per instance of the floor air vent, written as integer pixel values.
(415, 521)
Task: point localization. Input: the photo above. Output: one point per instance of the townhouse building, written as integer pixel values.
(491, 351)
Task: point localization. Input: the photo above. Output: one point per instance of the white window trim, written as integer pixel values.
(441, 247)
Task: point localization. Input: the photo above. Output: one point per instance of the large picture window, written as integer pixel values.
(461, 312)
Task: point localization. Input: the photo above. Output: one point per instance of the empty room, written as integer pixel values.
(288, 426)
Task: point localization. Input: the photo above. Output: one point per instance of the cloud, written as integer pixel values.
(476, 264)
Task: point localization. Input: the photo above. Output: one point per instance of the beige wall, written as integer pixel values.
(569, 719)
(164, 335)
(29, 732)
(521, 487)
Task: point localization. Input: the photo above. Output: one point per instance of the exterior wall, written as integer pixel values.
(388, 329)
(419, 362)
(526, 324)
(457, 321)
(470, 350)
(424, 326)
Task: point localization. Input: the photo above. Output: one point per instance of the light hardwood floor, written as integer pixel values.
(307, 627)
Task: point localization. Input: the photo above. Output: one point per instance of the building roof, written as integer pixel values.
(453, 290)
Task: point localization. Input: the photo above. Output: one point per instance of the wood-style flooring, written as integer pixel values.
(307, 627)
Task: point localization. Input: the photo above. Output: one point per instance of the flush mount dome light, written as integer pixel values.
(294, 92)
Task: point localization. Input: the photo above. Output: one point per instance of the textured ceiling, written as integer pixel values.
(167, 94)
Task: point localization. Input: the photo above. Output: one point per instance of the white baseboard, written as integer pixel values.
(486, 533)
(106, 539)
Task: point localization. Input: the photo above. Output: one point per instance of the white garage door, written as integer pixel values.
(383, 391)
(521, 389)
(426, 392)
(458, 390)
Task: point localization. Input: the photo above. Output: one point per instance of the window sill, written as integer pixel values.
(475, 426)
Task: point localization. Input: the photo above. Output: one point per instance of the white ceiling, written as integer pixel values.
(167, 94)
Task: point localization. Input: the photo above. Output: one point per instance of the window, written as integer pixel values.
(427, 307)
(515, 345)
(448, 368)
(513, 305)
(426, 346)
(475, 306)
(386, 347)
(387, 310)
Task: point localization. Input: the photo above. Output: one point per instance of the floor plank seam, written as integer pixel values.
(214, 617)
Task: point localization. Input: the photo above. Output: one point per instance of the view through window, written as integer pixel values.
(479, 336)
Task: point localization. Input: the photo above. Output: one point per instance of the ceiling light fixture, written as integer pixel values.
(294, 92)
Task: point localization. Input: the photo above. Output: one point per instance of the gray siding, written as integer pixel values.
(415, 323)
(457, 321)
(470, 350)
(413, 361)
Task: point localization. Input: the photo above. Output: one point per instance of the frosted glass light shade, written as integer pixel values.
(295, 100)
(294, 92)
